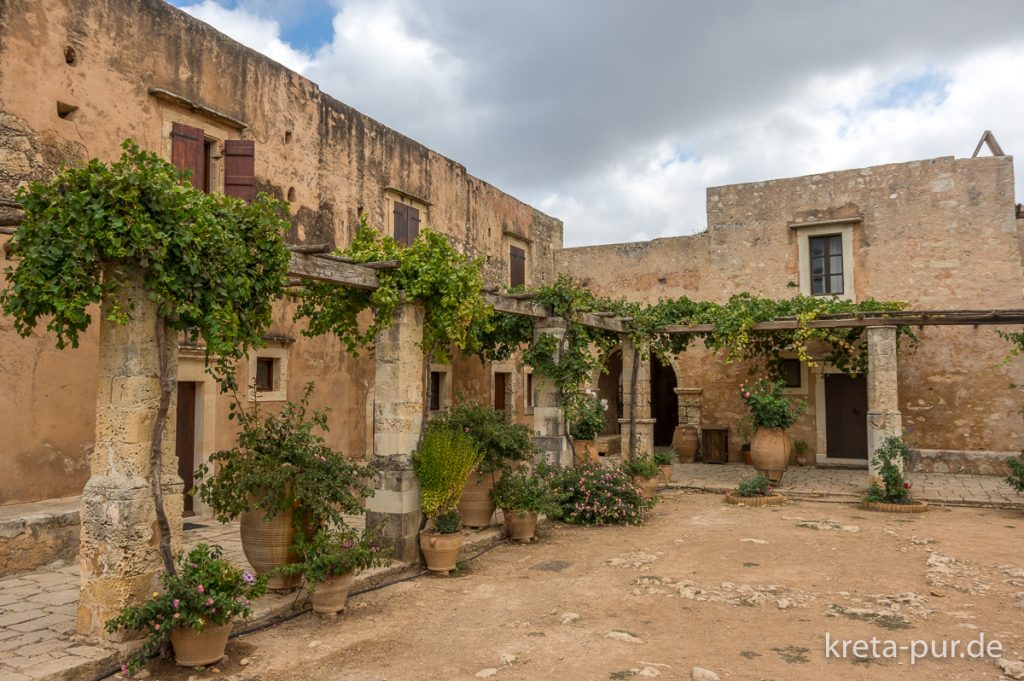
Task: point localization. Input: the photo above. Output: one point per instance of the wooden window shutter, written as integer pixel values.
(413, 224)
(188, 152)
(517, 266)
(401, 223)
(240, 169)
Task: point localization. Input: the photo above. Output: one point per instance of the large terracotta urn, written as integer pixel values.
(684, 442)
(585, 451)
(477, 504)
(769, 452)
(266, 545)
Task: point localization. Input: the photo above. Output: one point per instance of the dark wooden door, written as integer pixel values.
(500, 383)
(846, 410)
(664, 402)
(185, 438)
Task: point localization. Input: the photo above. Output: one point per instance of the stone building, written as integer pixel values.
(939, 234)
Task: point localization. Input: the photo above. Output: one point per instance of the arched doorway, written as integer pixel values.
(664, 402)
(609, 387)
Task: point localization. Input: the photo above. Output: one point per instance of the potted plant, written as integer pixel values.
(523, 495)
(1016, 477)
(501, 444)
(800, 452)
(771, 414)
(755, 491)
(195, 610)
(442, 463)
(330, 561)
(585, 423)
(282, 476)
(644, 472)
(891, 491)
(663, 457)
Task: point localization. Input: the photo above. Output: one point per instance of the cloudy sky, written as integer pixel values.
(616, 115)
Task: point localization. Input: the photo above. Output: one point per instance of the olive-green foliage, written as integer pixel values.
(756, 486)
(527, 491)
(449, 522)
(430, 271)
(1016, 477)
(664, 457)
(211, 263)
(887, 459)
(640, 466)
(768, 408)
(442, 462)
(499, 441)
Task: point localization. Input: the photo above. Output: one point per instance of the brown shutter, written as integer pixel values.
(188, 152)
(517, 266)
(401, 223)
(240, 169)
(414, 224)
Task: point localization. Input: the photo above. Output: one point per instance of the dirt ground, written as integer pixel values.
(748, 593)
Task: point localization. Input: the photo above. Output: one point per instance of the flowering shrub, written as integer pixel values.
(331, 553)
(887, 459)
(527, 491)
(1016, 477)
(592, 494)
(207, 591)
(768, 408)
(587, 416)
(757, 486)
(500, 441)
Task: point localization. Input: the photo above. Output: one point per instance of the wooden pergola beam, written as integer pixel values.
(992, 317)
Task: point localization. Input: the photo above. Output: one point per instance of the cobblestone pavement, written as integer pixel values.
(37, 609)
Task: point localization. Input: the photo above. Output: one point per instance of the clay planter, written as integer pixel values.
(914, 506)
(769, 453)
(330, 595)
(648, 486)
(265, 545)
(477, 505)
(585, 451)
(770, 500)
(666, 473)
(440, 550)
(685, 442)
(520, 527)
(198, 649)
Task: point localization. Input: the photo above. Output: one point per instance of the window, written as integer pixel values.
(529, 391)
(790, 370)
(501, 386)
(406, 223)
(435, 391)
(268, 374)
(192, 150)
(516, 267)
(826, 265)
(265, 374)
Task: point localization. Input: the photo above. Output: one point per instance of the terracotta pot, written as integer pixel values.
(330, 595)
(666, 473)
(913, 507)
(585, 451)
(265, 544)
(769, 452)
(684, 442)
(745, 451)
(198, 649)
(520, 527)
(440, 550)
(477, 505)
(770, 500)
(648, 486)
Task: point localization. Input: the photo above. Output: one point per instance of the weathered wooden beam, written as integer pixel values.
(513, 306)
(310, 248)
(326, 268)
(992, 317)
(382, 265)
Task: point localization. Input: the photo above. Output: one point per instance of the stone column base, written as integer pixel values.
(394, 509)
(644, 436)
(554, 449)
(119, 556)
(882, 424)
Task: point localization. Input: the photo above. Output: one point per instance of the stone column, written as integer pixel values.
(394, 510)
(884, 418)
(689, 406)
(548, 421)
(119, 556)
(642, 400)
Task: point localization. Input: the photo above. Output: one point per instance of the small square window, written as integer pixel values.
(435, 391)
(529, 391)
(265, 374)
(790, 371)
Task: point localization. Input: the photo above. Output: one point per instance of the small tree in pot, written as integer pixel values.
(442, 463)
(645, 472)
(523, 495)
(771, 414)
(586, 421)
(281, 479)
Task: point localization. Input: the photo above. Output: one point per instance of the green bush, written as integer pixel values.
(448, 522)
(664, 457)
(280, 463)
(500, 442)
(331, 553)
(1016, 477)
(640, 467)
(768, 408)
(527, 491)
(757, 486)
(887, 459)
(443, 462)
(586, 419)
(592, 494)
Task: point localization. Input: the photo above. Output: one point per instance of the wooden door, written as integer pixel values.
(500, 384)
(185, 439)
(846, 410)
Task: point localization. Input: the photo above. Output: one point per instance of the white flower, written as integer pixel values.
(604, 404)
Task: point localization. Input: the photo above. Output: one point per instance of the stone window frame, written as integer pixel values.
(280, 357)
(841, 227)
(805, 384)
(509, 369)
(529, 396)
(445, 394)
(510, 239)
(393, 195)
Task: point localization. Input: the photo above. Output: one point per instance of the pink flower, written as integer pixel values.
(200, 587)
(746, 394)
(176, 603)
(209, 601)
(157, 627)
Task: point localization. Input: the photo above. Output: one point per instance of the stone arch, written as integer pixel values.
(664, 400)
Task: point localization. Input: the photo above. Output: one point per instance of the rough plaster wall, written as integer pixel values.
(937, 234)
(337, 160)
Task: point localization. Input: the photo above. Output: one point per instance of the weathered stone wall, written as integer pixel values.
(936, 234)
(102, 57)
